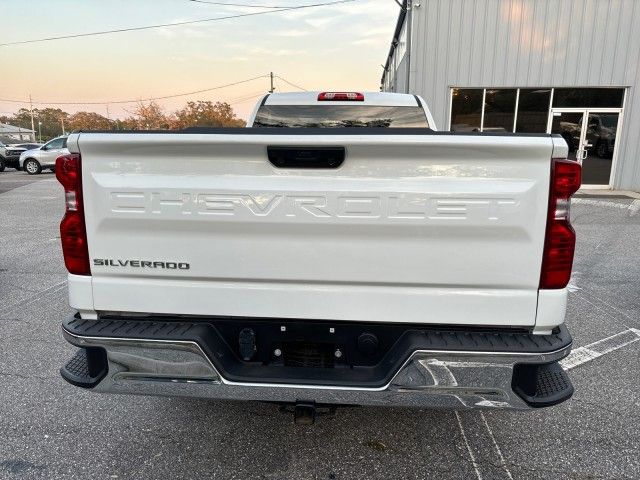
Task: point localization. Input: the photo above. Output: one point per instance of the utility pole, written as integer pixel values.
(108, 117)
(272, 87)
(62, 122)
(33, 126)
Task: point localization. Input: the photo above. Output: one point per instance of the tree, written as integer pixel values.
(89, 121)
(146, 116)
(47, 121)
(206, 114)
(50, 120)
(149, 116)
(22, 119)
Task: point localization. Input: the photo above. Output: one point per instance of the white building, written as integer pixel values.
(13, 134)
(558, 66)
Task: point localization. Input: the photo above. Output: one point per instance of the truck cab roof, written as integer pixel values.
(370, 98)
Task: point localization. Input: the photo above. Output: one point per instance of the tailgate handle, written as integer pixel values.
(305, 157)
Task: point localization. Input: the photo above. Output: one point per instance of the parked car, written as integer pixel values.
(3, 148)
(12, 153)
(314, 266)
(43, 157)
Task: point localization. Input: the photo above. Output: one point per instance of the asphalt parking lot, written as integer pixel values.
(10, 179)
(49, 429)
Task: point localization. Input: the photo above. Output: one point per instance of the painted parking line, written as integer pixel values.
(476, 467)
(503, 462)
(633, 207)
(36, 297)
(601, 347)
(605, 311)
(484, 452)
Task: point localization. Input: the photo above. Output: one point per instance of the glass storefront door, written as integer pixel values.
(570, 124)
(600, 140)
(591, 136)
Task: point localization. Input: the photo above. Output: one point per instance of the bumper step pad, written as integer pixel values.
(542, 385)
(86, 368)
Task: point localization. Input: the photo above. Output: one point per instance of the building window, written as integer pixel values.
(588, 97)
(494, 109)
(466, 109)
(533, 110)
(499, 110)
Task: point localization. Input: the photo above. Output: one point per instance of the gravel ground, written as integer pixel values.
(49, 429)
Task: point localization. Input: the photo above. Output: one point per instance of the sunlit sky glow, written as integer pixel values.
(337, 47)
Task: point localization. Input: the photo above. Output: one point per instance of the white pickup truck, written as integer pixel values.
(319, 258)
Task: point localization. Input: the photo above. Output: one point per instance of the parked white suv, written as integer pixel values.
(301, 263)
(44, 157)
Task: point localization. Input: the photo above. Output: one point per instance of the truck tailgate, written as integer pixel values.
(424, 228)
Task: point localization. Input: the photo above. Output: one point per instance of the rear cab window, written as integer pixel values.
(337, 116)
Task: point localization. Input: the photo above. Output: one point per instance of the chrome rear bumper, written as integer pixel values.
(428, 378)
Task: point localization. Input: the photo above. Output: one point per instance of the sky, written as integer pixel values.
(337, 47)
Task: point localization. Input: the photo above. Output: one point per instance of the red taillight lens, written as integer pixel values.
(74, 244)
(560, 238)
(565, 177)
(68, 170)
(340, 97)
(73, 232)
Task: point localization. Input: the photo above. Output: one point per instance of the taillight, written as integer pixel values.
(560, 238)
(340, 97)
(73, 233)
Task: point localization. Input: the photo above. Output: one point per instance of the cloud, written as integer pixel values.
(182, 32)
(278, 52)
(371, 41)
(293, 33)
(372, 36)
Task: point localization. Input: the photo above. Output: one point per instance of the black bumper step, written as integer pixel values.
(542, 385)
(351, 366)
(86, 368)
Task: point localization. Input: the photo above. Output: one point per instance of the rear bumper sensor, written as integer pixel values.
(411, 366)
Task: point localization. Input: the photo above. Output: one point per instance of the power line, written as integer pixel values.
(173, 24)
(238, 4)
(292, 84)
(247, 99)
(114, 102)
(240, 98)
(246, 5)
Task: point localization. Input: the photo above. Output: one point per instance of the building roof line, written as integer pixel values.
(7, 128)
